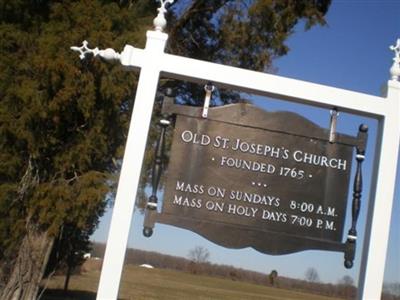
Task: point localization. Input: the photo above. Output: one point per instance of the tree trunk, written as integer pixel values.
(29, 267)
(67, 276)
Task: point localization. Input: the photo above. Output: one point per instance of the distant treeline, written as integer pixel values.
(163, 261)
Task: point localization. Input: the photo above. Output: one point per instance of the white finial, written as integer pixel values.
(395, 69)
(160, 22)
(83, 50)
(396, 49)
(108, 54)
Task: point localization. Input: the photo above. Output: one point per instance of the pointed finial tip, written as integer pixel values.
(395, 69)
(396, 48)
(160, 22)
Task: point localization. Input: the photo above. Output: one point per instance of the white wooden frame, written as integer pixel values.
(152, 62)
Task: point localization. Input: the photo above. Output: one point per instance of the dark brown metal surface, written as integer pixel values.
(248, 178)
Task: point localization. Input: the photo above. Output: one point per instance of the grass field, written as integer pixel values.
(140, 283)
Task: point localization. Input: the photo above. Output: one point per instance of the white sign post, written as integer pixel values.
(152, 62)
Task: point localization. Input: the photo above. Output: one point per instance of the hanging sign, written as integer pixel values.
(244, 177)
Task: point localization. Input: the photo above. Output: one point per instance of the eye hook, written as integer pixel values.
(209, 88)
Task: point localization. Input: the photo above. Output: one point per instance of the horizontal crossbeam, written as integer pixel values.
(258, 83)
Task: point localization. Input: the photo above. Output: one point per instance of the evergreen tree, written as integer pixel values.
(63, 122)
(62, 125)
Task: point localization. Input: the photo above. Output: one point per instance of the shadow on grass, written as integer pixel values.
(59, 294)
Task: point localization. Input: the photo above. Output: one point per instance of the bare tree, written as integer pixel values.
(199, 254)
(346, 280)
(311, 275)
(347, 288)
(392, 288)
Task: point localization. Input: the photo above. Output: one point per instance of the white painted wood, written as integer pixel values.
(160, 22)
(272, 85)
(131, 167)
(152, 60)
(258, 83)
(395, 69)
(381, 199)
